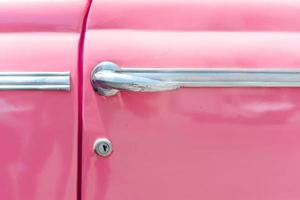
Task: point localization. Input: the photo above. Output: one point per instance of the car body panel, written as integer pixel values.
(41, 15)
(193, 15)
(39, 128)
(193, 143)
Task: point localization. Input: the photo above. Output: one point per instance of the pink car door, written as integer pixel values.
(39, 47)
(194, 99)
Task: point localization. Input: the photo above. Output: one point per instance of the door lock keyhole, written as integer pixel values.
(103, 147)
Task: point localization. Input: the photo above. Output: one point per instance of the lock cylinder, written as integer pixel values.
(103, 147)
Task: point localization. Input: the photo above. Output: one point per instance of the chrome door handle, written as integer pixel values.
(107, 78)
(107, 81)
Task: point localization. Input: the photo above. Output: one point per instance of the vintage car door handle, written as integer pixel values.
(108, 78)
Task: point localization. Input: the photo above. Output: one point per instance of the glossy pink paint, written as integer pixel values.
(39, 129)
(196, 15)
(41, 15)
(200, 143)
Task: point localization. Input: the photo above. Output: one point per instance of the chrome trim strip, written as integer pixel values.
(35, 81)
(220, 77)
(108, 78)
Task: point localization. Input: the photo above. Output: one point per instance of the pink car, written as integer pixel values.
(150, 100)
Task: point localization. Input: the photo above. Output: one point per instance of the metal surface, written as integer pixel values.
(103, 147)
(23, 16)
(195, 143)
(35, 81)
(107, 81)
(107, 78)
(195, 15)
(39, 128)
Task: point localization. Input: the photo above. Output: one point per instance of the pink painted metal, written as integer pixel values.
(38, 129)
(200, 143)
(41, 15)
(196, 15)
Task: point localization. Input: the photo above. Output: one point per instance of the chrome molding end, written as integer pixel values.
(35, 81)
